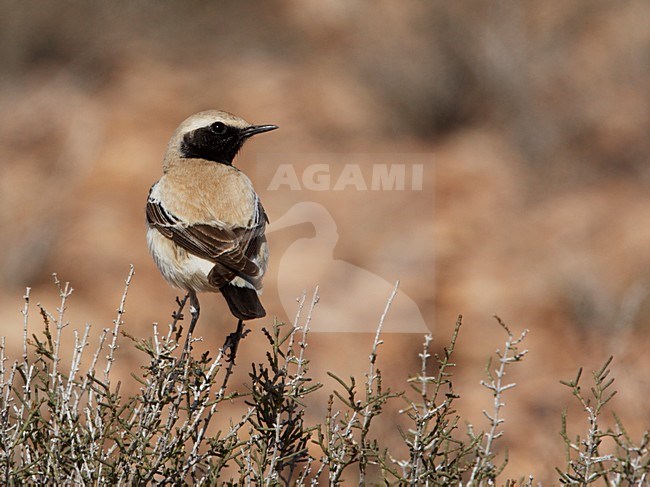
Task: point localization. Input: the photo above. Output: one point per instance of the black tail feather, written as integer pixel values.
(243, 302)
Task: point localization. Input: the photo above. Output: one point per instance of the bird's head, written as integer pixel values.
(211, 135)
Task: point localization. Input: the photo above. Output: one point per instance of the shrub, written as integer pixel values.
(64, 423)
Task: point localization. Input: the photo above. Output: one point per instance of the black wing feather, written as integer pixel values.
(232, 250)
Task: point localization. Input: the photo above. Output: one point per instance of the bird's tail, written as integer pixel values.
(243, 302)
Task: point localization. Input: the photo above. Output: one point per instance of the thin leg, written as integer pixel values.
(232, 341)
(195, 310)
(230, 349)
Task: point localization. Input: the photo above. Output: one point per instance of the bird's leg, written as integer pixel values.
(195, 310)
(232, 342)
(230, 350)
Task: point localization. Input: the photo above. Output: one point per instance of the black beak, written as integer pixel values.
(257, 129)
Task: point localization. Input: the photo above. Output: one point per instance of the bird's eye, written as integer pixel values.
(218, 128)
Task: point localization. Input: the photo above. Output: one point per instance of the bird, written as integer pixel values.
(205, 222)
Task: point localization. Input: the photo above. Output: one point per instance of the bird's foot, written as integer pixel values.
(232, 342)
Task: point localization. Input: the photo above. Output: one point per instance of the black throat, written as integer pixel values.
(204, 143)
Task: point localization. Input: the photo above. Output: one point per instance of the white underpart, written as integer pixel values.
(180, 268)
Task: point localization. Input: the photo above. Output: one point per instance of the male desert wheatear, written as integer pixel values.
(205, 223)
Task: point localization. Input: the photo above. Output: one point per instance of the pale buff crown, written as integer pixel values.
(193, 122)
(200, 191)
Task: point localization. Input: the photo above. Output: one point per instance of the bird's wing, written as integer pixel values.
(254, 233)
(231, 249)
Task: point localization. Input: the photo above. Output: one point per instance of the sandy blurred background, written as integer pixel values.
(536, 206)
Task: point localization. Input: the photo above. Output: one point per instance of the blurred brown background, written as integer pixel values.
(536, 114)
